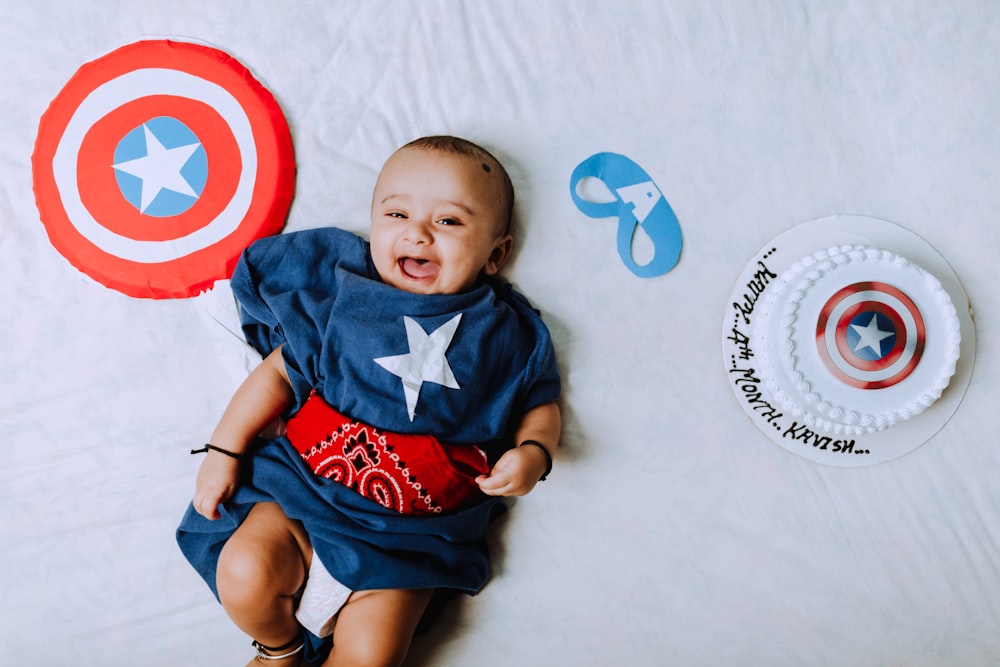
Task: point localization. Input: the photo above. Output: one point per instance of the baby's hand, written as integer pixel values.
(217, 479)
(515, 474)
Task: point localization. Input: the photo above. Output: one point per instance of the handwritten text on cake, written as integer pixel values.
(748, 382)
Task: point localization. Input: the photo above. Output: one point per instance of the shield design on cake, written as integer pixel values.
(870, 335)
(158, 163)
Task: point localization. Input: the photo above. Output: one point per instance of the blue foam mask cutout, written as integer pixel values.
(638, 202)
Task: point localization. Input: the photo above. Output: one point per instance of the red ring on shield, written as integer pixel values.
(837, 354)
(848, 354)
(247, 194)
(115, 212)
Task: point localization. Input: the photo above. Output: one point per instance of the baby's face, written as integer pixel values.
(436, 222)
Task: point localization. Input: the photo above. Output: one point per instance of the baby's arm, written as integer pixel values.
(261, 398)
(520, 468)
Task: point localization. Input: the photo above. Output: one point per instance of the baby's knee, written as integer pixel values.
(241, 576)
(249, 578)
(263, 560)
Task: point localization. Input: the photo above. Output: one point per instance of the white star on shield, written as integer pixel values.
(160, 169)
(425, 362)
(871, 336)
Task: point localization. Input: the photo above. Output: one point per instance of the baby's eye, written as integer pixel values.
(448, 221)
(396, 214)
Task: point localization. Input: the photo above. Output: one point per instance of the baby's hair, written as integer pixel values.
(459, 146)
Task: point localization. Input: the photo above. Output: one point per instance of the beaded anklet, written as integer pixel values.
(268, 652)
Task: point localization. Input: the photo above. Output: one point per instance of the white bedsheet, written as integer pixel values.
(671, 532)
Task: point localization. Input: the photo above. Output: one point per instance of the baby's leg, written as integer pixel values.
(374, 628)
(261, 568)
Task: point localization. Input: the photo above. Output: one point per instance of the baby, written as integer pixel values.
(419, 389)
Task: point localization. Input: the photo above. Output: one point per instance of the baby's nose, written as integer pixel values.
(418, 231)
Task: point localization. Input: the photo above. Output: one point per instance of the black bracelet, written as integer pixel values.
(207, 447)
(548, 457)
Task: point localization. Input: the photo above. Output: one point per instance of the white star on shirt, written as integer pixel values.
(871, 336)
(160, 169)
(425, 361)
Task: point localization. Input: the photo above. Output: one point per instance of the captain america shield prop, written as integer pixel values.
(158, 163)
(870, 335)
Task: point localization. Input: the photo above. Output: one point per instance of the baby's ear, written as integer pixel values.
(501, 251)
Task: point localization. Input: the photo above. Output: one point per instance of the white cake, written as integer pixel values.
(854, 339)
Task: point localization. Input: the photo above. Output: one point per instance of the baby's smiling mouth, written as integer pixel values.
(418, 269)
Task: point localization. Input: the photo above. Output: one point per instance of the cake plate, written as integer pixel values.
(760, 276)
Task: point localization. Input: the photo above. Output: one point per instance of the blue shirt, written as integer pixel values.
(461, 367)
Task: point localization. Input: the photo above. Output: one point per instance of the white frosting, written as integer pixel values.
(790, 361)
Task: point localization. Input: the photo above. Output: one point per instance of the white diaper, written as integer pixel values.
(321, 600)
